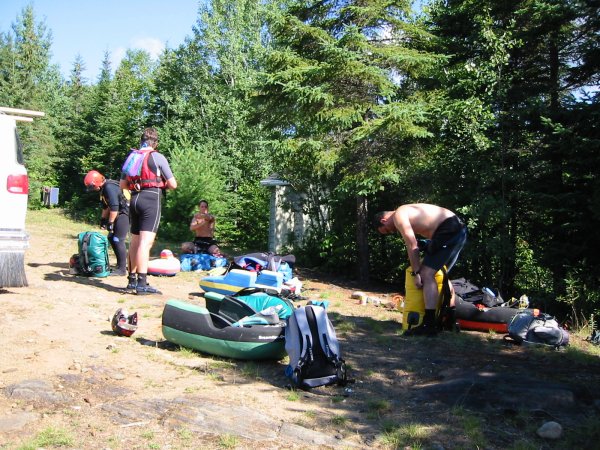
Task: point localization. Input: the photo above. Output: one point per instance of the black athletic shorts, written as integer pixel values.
(144, 210)
(446, 243)
(203, 243)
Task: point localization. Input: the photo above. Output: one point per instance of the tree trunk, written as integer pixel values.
(362, 243)
(556, 165)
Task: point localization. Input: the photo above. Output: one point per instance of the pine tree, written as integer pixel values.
(28, 80)
(524, 187)
(339, 86)
(201, 101)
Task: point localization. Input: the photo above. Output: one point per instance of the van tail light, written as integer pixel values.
(17, 184)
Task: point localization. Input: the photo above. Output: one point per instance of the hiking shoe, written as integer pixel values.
(118, 273)
(421, 330)
(130, 289)
(146, 290)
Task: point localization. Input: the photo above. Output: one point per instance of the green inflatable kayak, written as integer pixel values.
(229, 327)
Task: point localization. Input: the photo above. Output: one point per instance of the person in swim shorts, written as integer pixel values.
(447, 235)
(203, 227)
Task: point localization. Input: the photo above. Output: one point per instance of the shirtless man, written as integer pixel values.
(203, 227)
(447, 236)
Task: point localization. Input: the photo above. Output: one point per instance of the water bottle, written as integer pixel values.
(523, 302)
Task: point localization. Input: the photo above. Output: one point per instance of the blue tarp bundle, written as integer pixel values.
(191, 262)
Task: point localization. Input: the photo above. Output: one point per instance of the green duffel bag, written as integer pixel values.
(93, 254)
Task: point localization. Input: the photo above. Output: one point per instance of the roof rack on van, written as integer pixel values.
(23, 115)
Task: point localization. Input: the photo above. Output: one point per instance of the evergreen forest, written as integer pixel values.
(488, 108)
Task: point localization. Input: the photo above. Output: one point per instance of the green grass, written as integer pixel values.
(215, 376)
(221, 364)
(411, 435)
(54, 218)
(586, 434)
(148, 435)
(369, 373)
(345, 327)
(379, 405)
(228, 441)
(292, 396)
(524, 444)
(185, 435)
(472, 425)
(375, 325)
(185, 352)
(310, 414)
(339, 421)
(49, 438)
(251, 370)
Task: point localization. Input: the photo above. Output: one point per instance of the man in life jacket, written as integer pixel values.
(115, 215)
(145, 209)
(447, 235)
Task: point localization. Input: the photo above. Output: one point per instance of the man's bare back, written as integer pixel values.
(447, 235)
(422, 218)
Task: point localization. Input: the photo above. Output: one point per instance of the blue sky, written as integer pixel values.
(92, 27)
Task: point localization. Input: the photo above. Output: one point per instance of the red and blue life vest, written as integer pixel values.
(146, 178)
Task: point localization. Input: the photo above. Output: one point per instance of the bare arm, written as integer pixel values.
(402, 223)
(200, 220)
(195, 224)
(171, 183)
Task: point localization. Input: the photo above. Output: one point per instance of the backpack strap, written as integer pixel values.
(306, 344)
(330, 344)
(85, 242)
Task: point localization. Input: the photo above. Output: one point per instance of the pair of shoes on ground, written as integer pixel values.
(146, 290)
(133, 288)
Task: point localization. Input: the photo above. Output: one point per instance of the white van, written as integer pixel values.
(14, 190)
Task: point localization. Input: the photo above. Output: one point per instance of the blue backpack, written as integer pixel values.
(313, 348)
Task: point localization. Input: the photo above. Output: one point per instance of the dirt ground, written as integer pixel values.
(455, 391)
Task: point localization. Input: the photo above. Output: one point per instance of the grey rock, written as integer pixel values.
(16, 422)
(298, 434)
(202, 416)
(550, 430)
(36, 390)
(218, 419)
(485, 390)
